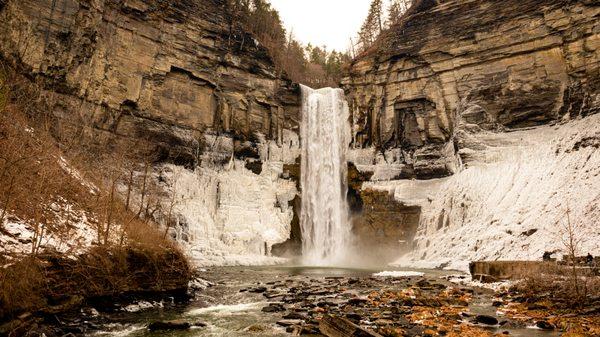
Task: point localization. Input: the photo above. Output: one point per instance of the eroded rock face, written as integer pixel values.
(165, 72)
(461, 96)
(386, 221)
(180, 81)
(519, 64)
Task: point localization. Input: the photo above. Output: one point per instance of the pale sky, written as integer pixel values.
(323, 22)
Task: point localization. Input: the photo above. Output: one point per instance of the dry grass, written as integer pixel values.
(54, 283)
(30, 175)
(557, 285)
(19, 286)
(35, 172)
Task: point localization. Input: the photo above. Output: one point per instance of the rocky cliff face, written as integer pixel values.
(441, 95)
(182, 81)
(163, 72)
(496, 66)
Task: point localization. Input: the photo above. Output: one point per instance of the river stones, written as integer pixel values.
(169, 325)
(339, 327)
(486, 320)
(257, 290)
(274, 307)
(270, 294)
(544, 325)
(357, 301)
(295, 315)
(289, 322)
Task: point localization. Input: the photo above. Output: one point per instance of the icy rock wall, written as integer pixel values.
(511, 200)
(228, 215)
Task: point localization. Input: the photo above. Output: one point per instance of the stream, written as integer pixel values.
(233, 306)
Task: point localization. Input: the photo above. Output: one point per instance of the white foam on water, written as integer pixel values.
(122, 332)
(222, 309)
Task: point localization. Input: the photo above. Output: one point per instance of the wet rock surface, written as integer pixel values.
(169, 325)
(363, 305)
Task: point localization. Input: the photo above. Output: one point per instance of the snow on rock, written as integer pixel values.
(197, 284)
(77, 175)
(511, 200)
(142, 306)
(384, 168)
(224, 310)
(465, 280)
(399, 274)
(72, 234)
(228, 215)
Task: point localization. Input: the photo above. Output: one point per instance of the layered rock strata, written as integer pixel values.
(180, 82)
(519, 64)
(451, 111)
(149, 70)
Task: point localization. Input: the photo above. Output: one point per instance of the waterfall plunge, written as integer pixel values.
(326, 232)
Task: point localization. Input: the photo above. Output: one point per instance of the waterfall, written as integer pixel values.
(325, 131)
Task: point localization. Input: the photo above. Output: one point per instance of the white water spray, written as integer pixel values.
(326, 232)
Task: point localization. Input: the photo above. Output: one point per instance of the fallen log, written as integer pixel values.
(332, 326)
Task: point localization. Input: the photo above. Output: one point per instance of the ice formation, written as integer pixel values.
(326, 230)
(228, 215)
(511, 200)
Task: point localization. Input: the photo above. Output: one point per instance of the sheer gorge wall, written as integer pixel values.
(437, 96)
(521, 64)
(180, 83)
(166, 72)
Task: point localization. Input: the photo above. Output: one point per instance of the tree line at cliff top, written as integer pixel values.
(315, 66)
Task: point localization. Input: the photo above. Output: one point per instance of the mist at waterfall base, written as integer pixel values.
(324, 220)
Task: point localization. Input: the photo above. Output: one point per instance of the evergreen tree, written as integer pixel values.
(372, 26)
(310, 65)
(396, 9)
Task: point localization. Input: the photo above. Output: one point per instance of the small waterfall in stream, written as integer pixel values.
(325, 131)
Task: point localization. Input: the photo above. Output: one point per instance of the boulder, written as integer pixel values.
(169, 325)
(486, 320)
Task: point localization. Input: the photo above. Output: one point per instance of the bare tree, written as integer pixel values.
(571, 240)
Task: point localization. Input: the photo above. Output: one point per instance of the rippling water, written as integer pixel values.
(229, 312)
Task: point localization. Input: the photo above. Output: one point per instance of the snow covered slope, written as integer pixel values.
(511, 200)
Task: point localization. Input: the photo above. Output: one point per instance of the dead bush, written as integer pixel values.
(31, 175)
(50, 279)
(114, 188)
(20, 286)
(556, 285)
